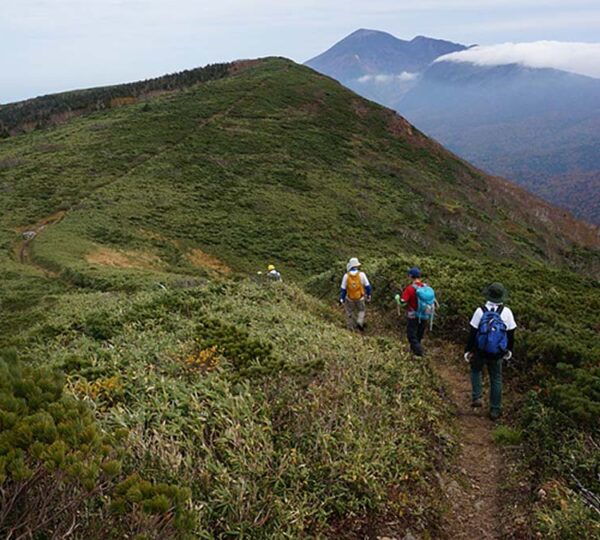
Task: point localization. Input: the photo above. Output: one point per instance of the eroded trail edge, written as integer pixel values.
(472, 485)
(29, 234)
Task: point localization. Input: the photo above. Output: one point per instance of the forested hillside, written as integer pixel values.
(154, 384)
(55, 109)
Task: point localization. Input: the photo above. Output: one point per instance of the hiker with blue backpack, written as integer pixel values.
(420, 302)
(491, 341)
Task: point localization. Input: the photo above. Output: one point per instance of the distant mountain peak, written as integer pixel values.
(368, 52)
(366, 32)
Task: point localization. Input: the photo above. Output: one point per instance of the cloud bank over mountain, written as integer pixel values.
(405, 76)
(580, 58)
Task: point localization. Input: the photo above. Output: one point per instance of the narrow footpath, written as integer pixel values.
(29, 234)
(473, 481)
(472, 486)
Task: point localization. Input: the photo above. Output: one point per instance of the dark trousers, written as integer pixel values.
(415, 330)
(494, 367)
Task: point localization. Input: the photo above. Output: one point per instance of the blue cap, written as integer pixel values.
(414, 272)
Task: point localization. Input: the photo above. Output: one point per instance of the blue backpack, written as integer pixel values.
(492, 337)
(425, 302)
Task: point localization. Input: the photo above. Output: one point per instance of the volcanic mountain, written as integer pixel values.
(538, 127)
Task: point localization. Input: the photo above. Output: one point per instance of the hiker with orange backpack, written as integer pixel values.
(491, 341)
(420, 302)
(355, 291)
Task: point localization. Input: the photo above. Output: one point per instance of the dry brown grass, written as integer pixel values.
(140, 260)
(201, 259)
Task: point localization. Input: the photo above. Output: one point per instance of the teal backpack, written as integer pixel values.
(425, 303)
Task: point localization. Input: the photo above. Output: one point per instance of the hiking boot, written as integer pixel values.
(495, 414)
(477, 403)
(361, 327)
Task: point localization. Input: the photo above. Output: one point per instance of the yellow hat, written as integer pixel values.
(270, 267)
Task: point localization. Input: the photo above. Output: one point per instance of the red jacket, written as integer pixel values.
(409, 295)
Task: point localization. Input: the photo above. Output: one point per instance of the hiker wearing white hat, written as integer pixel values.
(355, 292)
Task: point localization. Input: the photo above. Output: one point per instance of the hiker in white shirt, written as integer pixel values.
(491, 340)
(354, 291)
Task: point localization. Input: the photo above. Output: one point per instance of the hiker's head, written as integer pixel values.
(353, 264)
(495, 293)
(414, 273)
(271, 267)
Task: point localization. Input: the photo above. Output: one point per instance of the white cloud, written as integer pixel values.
(581, 58)
(405, 76)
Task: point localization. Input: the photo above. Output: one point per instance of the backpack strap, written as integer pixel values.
(499, 310)
(484, 309)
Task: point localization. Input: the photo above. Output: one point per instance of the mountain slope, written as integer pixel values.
(273, 163)
(368, 52)
(378, 65)
(151, 383)
(536, 126)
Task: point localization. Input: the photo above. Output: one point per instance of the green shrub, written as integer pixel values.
(564, 516)
(53, 457)
(507, 435)
(249, 357)
(99, 325)
(57, 466)
(579, 393)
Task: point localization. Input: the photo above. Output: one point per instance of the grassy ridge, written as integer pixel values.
(275, 162)
(315, 432)
(253, 397)
(555, 367)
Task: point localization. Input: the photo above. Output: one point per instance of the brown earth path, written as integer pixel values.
(475, 481)
(30, 234)
(473, 485)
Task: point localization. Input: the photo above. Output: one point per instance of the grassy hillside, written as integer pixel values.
(556, 368)
(149, 386)
(245, 395)
(273, 163)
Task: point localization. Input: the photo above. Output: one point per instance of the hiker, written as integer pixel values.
(273, 274)
(420, 302)
(355, 290)
(491, 341)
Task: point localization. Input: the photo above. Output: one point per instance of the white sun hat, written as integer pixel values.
(352, 263)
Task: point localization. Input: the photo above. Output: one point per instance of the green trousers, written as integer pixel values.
(494, 367)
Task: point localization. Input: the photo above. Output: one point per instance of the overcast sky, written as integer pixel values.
(53, 45)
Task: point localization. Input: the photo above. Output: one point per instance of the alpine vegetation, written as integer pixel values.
(228, 310)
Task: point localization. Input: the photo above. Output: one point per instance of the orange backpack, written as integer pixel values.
(354, 287)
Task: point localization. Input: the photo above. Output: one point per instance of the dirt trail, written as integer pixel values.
(474, 482)
(31, 233)
(473, 488)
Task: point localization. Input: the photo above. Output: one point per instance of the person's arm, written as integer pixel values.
(511, 339)
(511, 325)
(366, 285)
(471, 345)
(343, 288)
(407, 294)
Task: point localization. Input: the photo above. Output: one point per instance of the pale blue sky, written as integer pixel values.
(53, 45)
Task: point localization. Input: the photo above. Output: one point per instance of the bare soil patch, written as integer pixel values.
(124, 259)
(200, 259)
